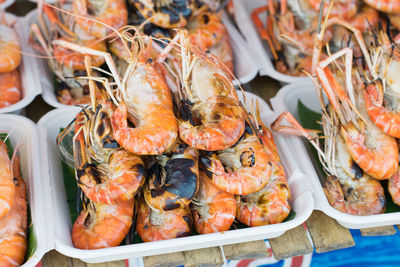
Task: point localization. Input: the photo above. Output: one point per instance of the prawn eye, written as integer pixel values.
(247, 158)
(15, 180)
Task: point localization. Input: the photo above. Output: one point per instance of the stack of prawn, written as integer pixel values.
(96, 24)
(204, 25)
(360, 125)
(291, 27)
(13, 211)
(171, 141)
(10, 58)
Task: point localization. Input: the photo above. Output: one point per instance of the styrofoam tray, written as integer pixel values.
(29, 87)
(24, 133)
(49, 126)
(258, 48)
(286, 100)
(244, 65)
(6, 4)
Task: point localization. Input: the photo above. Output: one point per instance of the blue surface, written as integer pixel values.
(368, 251)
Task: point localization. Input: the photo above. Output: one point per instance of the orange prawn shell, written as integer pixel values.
(206, 29)
(171, 224)
(216, 209)
(10, 49)
(155, 132)
(10, 88)
(13, 226)
(114, 15)
(388, 6)
(270, 205)
(104, 227)
(377, 167)
(215, 99)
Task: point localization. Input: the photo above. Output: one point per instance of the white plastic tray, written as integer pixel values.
(24, 133)
(286, 100)
(244, 65)
(255, 44)
(49, 126)
(6, 4)
(29, 88)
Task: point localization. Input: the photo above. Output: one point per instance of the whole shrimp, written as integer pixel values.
(173, 178)
(211, 117)
(99, 18)
(10, 48)
(10, 88)
(166, 13)
(117, 174)
(148, 99)
(13, 226)
(142, 91)
(242, 169)
(347, 187)
(102, 225)
(7, 187)
(154, 225)
(213, 209)
(270, 204)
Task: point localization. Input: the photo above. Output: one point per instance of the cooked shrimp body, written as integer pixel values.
(112, 13)
(10, 88)
(166, 14)
(102, 225)
(7, 187)
(173, 178)
(351, 190)
(148, 105)
(115, 175)
(10, 49)
(13, 226)
(213, 209)
(205, 29)
(211, 116)
(242, 169)
(270, 204)
(388, 6)
(124, 175)
(155, 225)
